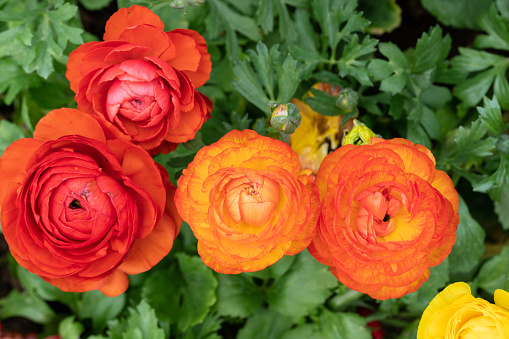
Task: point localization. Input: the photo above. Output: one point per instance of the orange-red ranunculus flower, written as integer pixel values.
(81, 210)
(387, 216)
(454, 313)
(143, 80)
(247, 202)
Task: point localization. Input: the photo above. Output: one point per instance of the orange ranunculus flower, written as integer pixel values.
(82, 210)
(387, 216)
(143, 80)
(455, 313)
(247, 202)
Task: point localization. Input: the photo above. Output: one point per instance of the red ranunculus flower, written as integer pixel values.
(387, 216)
(143, 80)
(81, 210)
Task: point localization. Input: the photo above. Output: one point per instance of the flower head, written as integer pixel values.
(455, 313)
(143, 80)
(80, 209)
(247, 202)
(387, 216)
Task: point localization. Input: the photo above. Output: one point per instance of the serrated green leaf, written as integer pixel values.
(100, 308)
(394, 84)
(288, 79)
(471, 60)
(70, 329)
(501, 90)
(491, 116)
(493, 272)
(473, 89)
(184, 293)
(265, 324)
(431, 49)
(469, 246)
(141, 323)
(431, 123)
(265, 15)
(238, 296)
(207, 329)
(416, 133)
(305, 286)
(308, 331)
(469, 143)
(343, 325)
(394, 54)
(496, 27)
(323, 103)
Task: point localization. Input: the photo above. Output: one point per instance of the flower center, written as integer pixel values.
(376, 210)
(137, 103)
(75, 204)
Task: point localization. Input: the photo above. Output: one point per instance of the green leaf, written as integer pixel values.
(471, 144)
(235, 23)
(492, 274)
(323, 103)
(456, 13)
(13, 79)
(384, 15)
(93, 5)
(431, 49)
(27, 305)
(34, 284)
(70, 329)
(184, 293)
(497, 28)
(265, 324)
(100, 308)
(207, 329)
(141, 323)
(348, 63)
(501, 207)
(308, 331)
(238, 296)
(419, 300)
(469, 246)
(9, 133)
(343, 325)
(471, 60)
(51, 33)
(301, 289)
(397, 65)
(491, 116)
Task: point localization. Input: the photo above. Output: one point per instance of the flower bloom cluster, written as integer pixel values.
(455, 313)
(247, 202)
(83, 203)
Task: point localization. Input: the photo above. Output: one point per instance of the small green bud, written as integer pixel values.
(286, 118)
(347, 99)
(359, 135)
(179, 4)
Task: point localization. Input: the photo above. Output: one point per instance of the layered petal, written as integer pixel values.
(387, 216)
(247, 202)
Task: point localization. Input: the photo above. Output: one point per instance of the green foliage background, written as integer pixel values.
(453, 99)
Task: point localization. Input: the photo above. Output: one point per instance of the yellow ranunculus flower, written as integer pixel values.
(455, 313)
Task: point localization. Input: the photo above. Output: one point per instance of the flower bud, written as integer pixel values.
(179, 4)
(286, 118)
(359, 135)
(347, 99)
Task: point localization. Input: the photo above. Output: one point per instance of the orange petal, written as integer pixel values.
(201, 74)
(129, 17)
(68, 121)
(13, 163)
(147, 252)
(115, 284)
(445, 186)
(73, 73)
